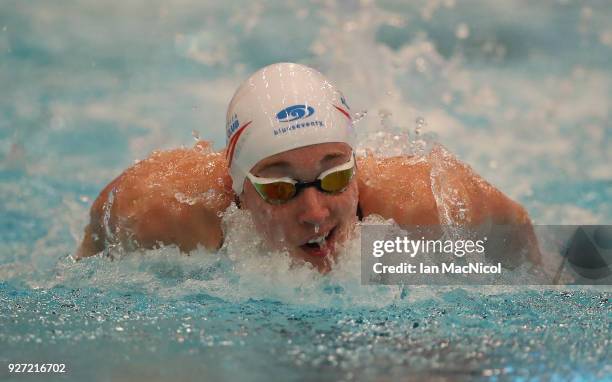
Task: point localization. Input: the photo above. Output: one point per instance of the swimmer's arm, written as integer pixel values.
(438, 190)
(464, 198)
(172, 197)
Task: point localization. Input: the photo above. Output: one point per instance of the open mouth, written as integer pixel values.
(320, 246)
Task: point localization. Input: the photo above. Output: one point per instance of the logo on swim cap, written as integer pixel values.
(295, 112)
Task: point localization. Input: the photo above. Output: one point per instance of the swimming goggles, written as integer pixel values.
(281, 190)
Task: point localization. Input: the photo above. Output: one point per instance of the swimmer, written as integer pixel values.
(290, 161)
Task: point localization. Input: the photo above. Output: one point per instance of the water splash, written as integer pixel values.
(210, 198)
(418, 143)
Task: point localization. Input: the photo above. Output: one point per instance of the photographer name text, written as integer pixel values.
(406, 268)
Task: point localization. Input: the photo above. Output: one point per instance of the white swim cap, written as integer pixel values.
(282, 107)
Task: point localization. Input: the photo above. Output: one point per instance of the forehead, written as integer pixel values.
(305, 157)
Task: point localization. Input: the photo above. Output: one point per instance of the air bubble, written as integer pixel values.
(359, 116)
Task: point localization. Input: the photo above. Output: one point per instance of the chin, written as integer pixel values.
(324, 254)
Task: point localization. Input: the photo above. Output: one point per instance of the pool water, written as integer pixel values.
(519, 90)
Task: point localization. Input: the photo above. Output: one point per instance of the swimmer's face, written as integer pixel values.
(292, 225)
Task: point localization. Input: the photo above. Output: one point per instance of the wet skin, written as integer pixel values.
(289, 226)
(145, 211)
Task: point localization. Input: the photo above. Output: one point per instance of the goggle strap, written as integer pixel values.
(261, 180)
(345, 166)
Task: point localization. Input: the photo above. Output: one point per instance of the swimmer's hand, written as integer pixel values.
(172, 197)
(439, 190)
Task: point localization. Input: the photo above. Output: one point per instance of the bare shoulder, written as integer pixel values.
(433, 189)
(171, 197)
(438, 189)
(397, 188)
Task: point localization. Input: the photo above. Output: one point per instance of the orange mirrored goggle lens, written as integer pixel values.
(336, 181)
(281, 192)
(278, 192)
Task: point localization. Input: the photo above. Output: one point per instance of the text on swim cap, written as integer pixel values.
(232, 126)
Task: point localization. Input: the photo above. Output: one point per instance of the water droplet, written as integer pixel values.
(359, 116)
(420, 123)
(418, 143)
(196, 135)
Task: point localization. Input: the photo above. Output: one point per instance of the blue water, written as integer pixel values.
(519, 90)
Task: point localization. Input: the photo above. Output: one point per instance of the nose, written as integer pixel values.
(313, 207)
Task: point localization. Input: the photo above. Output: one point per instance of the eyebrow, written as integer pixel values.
(284, 165)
